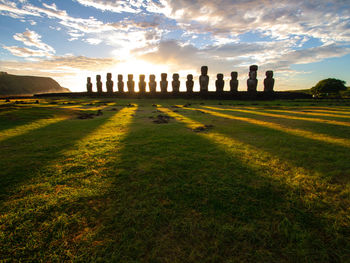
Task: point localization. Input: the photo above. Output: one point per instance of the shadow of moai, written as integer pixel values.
(98, 84)
(234, 82)
(109, 83)
(89, 85)
(120, 84)
(189, 84)
(164, 83)
(220, 83)
(142, 84)
(204, 80)
(131, 83)
(269, 82)
(152, 84)
(176, 83)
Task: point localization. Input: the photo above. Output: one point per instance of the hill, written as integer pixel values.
(27, 85)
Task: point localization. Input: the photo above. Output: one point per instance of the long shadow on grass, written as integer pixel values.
(22, 116)
(178, 197)
(329, 160)
(22, 156)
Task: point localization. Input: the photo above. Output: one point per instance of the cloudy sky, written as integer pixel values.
(303, 41)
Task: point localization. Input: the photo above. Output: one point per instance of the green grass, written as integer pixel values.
(120, 188)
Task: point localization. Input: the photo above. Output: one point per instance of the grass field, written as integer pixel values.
(174, 181)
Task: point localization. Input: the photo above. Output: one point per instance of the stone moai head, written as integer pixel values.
(98, 78)
(269, 74)
(220, 76)
(176, 76)
(109, 76)
(164, 76)
(152, 78)
(88, 80)
(120, 77)
(142, 78)
(234, 75)
(253, 68)
(130, 77)
(189, 77)
(204, 70)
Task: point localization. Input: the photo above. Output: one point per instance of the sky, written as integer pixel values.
(302, 41)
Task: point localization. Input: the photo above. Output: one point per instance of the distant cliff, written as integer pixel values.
(27, 85)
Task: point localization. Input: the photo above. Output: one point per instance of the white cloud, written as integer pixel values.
(93, 41)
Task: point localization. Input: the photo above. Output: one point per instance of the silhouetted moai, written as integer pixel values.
(142, 84)
(269, 81)
(89, 85)
(120, 83)
(234, 82)
(109, 83)
(252, 82)
(176, 83)
(204, 79)
(164, 83)
(220, 83)
(189, 83)
(131, 83)
(98, 83)
(152, 84)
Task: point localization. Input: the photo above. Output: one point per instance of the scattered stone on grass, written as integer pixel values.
(187, 105)
(99, 113)
(175, 111)
(113, 109)
(154, 105)
(8, 100)
(161, 119)
(174, 106)
(85, 115)
(202, 103)
(219, 103)
(203, 128)
(200, 111)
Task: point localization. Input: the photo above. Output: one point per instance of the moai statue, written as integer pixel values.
(89, 85)
(109, 83)
(189, 83)
(163, 83)
(252, 82)
(220, 83)
(152, 84)
(176, 83)
(269, 82)
(131, 83)
(234, 82)
(204, 79)
(98, 83)
(142, 84)
(120, 83)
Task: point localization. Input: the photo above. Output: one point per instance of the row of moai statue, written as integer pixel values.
(252, 82)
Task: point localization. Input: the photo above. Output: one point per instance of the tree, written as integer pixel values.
(328, 86)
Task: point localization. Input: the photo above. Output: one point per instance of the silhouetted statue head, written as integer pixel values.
(204, 70)
(152, 77)
(98, 78)
(269, 74)
(88, 80)
(176, 76)
(189, 77)
(234, 74)
(220, 76)
(164, 76)
(109, 76)
(120, 77)
(253, 68)
(130, 77)
(142, 77)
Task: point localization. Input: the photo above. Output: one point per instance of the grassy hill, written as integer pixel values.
(27, 85)
(174, 181)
